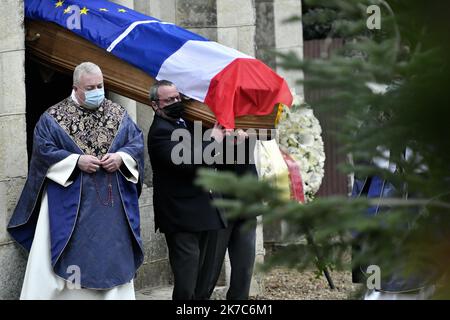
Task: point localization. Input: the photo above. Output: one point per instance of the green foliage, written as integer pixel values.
(317, 23)
(409, 55)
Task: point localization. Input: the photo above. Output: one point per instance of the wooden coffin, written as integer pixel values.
(62, 50)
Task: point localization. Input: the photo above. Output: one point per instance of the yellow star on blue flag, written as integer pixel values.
(59, 3)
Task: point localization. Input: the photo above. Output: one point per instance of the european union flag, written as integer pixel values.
(126, 33)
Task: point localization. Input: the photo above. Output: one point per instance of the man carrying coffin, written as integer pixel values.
(183, 210)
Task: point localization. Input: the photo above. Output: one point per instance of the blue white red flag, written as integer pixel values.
(231, 83)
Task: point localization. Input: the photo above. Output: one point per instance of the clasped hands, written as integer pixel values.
(111, 162)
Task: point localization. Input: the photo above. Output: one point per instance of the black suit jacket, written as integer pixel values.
(179, 205)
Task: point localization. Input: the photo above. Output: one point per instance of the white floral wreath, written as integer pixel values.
(300, 133)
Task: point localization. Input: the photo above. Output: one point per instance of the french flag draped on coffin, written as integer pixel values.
(231, 83)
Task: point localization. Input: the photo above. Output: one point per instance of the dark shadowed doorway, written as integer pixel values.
(44, 88)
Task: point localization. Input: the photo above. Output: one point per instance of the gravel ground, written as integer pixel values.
(286, 284)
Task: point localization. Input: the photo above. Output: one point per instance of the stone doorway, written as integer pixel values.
(44, 88)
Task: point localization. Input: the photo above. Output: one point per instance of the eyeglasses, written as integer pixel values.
(170, 99)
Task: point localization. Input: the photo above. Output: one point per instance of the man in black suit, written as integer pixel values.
(183, 211)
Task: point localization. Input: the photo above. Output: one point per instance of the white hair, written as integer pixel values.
(85, 67)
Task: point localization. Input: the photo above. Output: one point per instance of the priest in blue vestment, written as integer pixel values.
(78, 214)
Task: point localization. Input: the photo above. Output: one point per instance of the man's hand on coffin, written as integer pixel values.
(111, 162)
(241, 135)
(238, 135)
(217, 132)
(89, 164)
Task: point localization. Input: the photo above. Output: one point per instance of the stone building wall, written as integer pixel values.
(272, 35)
(13, 154)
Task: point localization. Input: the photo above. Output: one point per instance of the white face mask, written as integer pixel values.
(94, 98)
